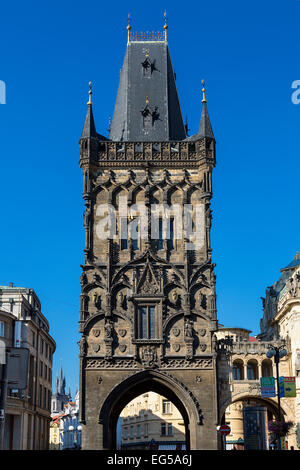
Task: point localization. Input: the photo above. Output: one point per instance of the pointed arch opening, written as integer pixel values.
(139, 384)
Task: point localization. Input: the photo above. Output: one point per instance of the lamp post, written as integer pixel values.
(278, 352)
(79, 428)
(71, 429)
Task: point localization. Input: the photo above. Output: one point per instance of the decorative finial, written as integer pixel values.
(90, 94)
(203, 91)
(147, 100)
(166, 27)
(128, 28)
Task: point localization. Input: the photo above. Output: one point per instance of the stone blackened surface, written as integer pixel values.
(116, 364)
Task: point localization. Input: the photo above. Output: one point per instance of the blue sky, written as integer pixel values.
(248, 53)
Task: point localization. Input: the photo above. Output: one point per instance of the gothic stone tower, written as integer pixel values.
(148, 305)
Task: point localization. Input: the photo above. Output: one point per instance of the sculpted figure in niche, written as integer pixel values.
(83, 345)
(97, 300)
(121, 300)
(108, 329)
(188, 328)
(86, 217)
(199, 299)
(83, 279)
(175, 298)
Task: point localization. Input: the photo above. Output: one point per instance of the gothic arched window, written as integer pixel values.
(146, 322)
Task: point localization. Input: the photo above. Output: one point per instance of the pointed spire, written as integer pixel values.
(89, 129)
(203, 91)
(128, 28)
(60, 383)
(166, 27)
(205, 129)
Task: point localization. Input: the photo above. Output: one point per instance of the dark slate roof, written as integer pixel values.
(89, 129)
(294, 263)
(159, 86)
(205, 128)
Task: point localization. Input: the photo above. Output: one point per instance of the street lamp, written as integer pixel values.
(71, 437)
(278, 352)
(79, 428)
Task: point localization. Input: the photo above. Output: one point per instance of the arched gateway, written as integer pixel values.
(143, 382)
(148, 302)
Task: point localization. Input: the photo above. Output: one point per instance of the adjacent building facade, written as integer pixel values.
(148, 301)
(281, 319)
(27, 413)
(150, 421)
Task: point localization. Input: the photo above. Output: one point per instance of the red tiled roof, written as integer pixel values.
(252, 339)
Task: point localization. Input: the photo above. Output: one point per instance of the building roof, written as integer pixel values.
(147, 90)
(205, 127)
(222, 327)
(89, 128)
(252, 339)
(294, 263)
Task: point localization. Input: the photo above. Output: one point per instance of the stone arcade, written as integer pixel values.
(148, 306)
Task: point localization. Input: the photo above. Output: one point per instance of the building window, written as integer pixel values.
(166, 407)
(124, 233)
(147, 322)
(166, 429)
(138, 430)
(2, 329)
(45, 398)
(170, 241)
(238, 370)
(41, 396)
(146, 429)
(125, 433)
(160, 242)
(135, 235)
(132, 432)
(41, 368)
(252, 370)
(267, 369)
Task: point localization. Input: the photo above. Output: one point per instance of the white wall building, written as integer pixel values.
(27, 412)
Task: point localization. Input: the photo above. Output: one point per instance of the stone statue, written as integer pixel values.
(83, 279)
(86, 217)
(120, 299)
(108, 329)
(188, 328)
(83, 346)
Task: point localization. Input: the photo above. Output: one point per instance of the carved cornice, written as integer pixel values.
(130, 363)
(149, 151)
